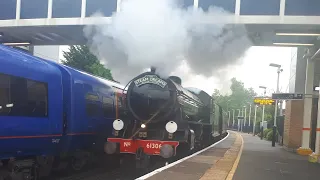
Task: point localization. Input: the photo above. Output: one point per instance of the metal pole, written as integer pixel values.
(239, 125)
(245, 116)
(280, 108)
(245, 119)
(263, 108)
(229, 119)
(233, 118)
(255, 119)
(275, 113)
(250, 116)
(242, 121)
(262, 119)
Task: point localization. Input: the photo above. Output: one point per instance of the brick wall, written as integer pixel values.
(293, 124)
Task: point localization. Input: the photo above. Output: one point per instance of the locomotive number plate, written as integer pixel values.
(153, 145)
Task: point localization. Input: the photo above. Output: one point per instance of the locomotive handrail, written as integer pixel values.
(124, 89)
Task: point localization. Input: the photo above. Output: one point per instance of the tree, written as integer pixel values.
(81, 58)
(240, 97)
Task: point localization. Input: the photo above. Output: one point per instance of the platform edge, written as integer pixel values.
(181, 160)
(236, 163)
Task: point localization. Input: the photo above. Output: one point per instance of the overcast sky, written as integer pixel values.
(254, 72)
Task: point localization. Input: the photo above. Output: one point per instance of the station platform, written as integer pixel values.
(259, 160)
(240, 156)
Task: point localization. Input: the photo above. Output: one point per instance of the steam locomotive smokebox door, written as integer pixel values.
(149, 96)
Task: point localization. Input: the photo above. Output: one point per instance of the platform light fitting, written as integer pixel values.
(275, 65)
(16, 44)
(298, 34)
(293, 44)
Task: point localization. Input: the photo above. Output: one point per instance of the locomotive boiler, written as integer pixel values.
(163, 118)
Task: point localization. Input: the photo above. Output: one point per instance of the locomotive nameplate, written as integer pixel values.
(150, 79)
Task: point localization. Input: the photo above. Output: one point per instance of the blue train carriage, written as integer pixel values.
(95, 104)
(48, 112)
(29, 88)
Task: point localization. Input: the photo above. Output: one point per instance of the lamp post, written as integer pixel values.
(279, 70)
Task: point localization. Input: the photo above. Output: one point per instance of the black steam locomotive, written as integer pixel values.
(162, 119)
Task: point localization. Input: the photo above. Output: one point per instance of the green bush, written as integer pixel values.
(259, 134)
(265, 132)
(269, 135)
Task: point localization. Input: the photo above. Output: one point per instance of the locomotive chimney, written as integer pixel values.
(175, 79)
(153, 69)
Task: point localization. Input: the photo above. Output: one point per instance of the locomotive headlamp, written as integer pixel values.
(143, 126)
(118, 124)
(171, 126)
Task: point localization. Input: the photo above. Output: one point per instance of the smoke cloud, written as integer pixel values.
(162, 34)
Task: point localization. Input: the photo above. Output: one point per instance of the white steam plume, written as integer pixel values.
(160, 33)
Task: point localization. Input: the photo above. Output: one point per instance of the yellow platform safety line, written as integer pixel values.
(226, 166)
(235, 165)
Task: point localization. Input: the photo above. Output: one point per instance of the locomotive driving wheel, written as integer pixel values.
(79, 161)
(78, 164)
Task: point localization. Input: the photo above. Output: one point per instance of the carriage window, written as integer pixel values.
(4, 94)
(37, 99)
(92, 109)
(22, 97)
(92, 105)
(107, 107)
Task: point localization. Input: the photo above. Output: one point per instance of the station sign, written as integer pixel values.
(264, 101)
(287, 96)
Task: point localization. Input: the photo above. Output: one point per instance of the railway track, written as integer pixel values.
(106, 171)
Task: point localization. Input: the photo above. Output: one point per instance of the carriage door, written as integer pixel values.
(93, 113)
(108, 114)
